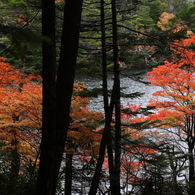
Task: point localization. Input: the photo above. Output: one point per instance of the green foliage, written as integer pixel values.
(18, 37)
(22, 44)
(161, 170)
(136, 15)
(156, 9)
(17, 2)
(88, 69)
(90, 93)
(132, 95)
(187, 16)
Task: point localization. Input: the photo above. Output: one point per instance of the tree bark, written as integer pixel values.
(189, 128)
(114, 168)
(191, 168)
(68, 170)
(15, 163)
(108, 113)
(57, 96)
(45, 180)
(117, 161)
(66, 74)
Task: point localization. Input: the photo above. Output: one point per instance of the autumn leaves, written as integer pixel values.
(21, 105)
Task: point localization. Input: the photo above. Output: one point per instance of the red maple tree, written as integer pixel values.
(175, 101)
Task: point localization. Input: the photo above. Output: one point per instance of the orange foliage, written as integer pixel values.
(21, 115)
(83, 125)
(22, 19)
(20, 111)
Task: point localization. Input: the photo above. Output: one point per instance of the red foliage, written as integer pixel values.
(175, 102)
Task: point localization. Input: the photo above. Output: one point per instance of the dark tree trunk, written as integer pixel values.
(114, 168)
(116, 171)
(68, 170)
(15, 164)
(66, 74)
(105, 93)
(57, 101)
(106, 140)
(191, 169)
(46, 181)
(190, 128)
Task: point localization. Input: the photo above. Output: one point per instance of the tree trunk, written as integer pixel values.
(66, 74)
(191, 170)
(114, 169)
(46, 182)
(57, 101)
(117, 161)
(15, 163)
(68, 170)
(108, 110)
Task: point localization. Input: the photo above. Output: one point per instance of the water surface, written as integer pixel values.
(129, 85)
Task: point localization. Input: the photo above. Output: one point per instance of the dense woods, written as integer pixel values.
(51, 142)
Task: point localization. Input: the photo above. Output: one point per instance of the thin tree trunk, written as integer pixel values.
(191, 141)
(172, 165)
(105, 92)
(68, 170)
(110, 160)
(117, 163)
(106, 140)
(191, 171)
(105, 89)
(115, 100)
(15, 163)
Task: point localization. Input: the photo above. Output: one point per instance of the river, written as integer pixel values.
(129, 86)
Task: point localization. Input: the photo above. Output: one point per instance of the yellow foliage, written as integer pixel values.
(164, 20)
(165, 24)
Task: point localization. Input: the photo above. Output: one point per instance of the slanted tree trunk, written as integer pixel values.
(108, 110)
(114, 167)
(106, 140)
